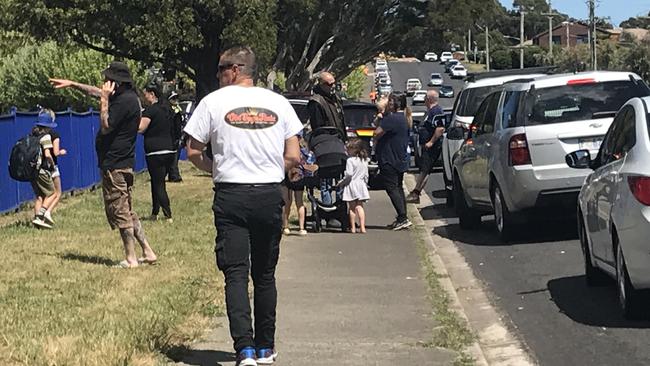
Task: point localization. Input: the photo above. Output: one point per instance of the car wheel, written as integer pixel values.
(593, 275)
(629, 298)
(467, 217)
(502, 216)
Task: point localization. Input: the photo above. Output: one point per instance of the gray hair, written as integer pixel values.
(242, 55)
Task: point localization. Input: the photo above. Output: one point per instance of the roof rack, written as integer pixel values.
(493, 74)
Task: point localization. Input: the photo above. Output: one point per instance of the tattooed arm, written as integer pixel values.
(88, 89)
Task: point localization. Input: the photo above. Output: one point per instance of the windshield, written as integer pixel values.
(301, 111)
(579, 102)
(471, 99)
(436, 76)
(359, 117)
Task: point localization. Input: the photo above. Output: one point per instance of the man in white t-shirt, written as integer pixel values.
(253, 136)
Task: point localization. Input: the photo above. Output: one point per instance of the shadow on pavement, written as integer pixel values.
(437, 211)
(200, 357)
(595, 306)
(91, 259)
(531, 233)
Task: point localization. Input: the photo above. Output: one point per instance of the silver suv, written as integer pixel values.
(514, 157)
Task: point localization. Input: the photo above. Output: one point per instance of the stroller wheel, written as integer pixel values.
(318, 227)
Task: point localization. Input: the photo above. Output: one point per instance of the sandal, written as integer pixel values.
(147, 261)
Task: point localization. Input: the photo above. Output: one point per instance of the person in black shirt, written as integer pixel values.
(156, 125)
(115, 146)
(391, 141)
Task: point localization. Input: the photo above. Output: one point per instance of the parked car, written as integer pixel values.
(385, 90)
(359, 122)
(418, 97)
(450, 64)
(384, 81)
(382, 74)
(513, 162)
(613, 206)
(445, 56)
(458, 72)
(412, 85)
(435, 79)
(430, 56)
(446, 91)
(465, 106)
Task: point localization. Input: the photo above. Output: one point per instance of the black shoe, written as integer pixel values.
(333, 224)
(175, 180)
(404, 224)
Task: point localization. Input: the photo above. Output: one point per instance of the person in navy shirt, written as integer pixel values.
(391, 141)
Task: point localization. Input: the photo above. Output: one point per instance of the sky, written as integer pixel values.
(618, 10)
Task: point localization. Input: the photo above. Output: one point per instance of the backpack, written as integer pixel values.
(25, 159)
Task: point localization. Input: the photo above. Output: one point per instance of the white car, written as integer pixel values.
(446, 56)
(435, 79)
(467, 102)
(430, 56)
(385, 81)
(412, 85)
(385, 90)
(382, 74)
(419, 96)
(458, 71)
(614, 207)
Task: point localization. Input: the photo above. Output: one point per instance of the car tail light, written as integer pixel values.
(640, 187)
(581, 81)
(519, 153)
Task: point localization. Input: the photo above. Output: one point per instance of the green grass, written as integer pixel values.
(62, 303)
(472, 67)
(451, 331)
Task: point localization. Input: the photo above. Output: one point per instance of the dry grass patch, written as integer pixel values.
(62, 302)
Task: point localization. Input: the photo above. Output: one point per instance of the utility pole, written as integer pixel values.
(487, 48)
(469, 43)
(568, 40)
(550, 15)
(592, 33)
(521, 37)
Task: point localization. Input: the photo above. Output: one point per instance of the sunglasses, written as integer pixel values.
(224, 67)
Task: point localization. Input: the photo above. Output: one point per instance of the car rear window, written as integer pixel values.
(301, 111)
(579, 102)
(359, 117)
(472, 99)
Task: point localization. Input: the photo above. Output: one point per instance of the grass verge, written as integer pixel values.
(62, 302)
(451, 331)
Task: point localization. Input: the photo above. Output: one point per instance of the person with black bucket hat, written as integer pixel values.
(120, 113)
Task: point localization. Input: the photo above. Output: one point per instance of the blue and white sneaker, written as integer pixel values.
(266, 356)
(246, 357)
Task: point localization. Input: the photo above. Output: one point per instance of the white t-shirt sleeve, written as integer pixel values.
(199, 126)
(46, 142)
(293, 125)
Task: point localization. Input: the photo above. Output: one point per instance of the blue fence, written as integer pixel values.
(78, 168)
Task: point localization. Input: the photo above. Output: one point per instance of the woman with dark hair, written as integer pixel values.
(156, 125)
(391, 141)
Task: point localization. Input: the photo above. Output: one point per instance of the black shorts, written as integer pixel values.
(294, 186)
(428, 157)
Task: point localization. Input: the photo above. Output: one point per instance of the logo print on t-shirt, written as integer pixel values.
(251, 118)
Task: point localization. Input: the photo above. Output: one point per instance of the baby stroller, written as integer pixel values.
(331, 157)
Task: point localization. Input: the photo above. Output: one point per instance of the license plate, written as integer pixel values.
(590, 143)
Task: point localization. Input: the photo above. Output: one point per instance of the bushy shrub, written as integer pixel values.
(24, 76)
(501, 60)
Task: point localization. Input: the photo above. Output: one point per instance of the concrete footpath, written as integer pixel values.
(346, 299)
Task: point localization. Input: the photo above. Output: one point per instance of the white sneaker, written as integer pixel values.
(47, 217)
(286, 231)
(38, 222)
(302, 232)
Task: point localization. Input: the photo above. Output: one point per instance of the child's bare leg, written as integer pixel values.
(361, 213)
(57, 194)
(352, 215)
(300, 206)
(38, 203)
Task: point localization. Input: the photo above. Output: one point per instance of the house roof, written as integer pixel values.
(638, 33)
(561, 25)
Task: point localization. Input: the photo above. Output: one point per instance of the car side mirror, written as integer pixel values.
(580, 159)
(456, 133)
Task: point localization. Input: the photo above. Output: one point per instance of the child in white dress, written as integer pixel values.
(355, 183)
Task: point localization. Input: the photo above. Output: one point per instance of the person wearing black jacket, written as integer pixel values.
(325, 110)
(156, 125)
